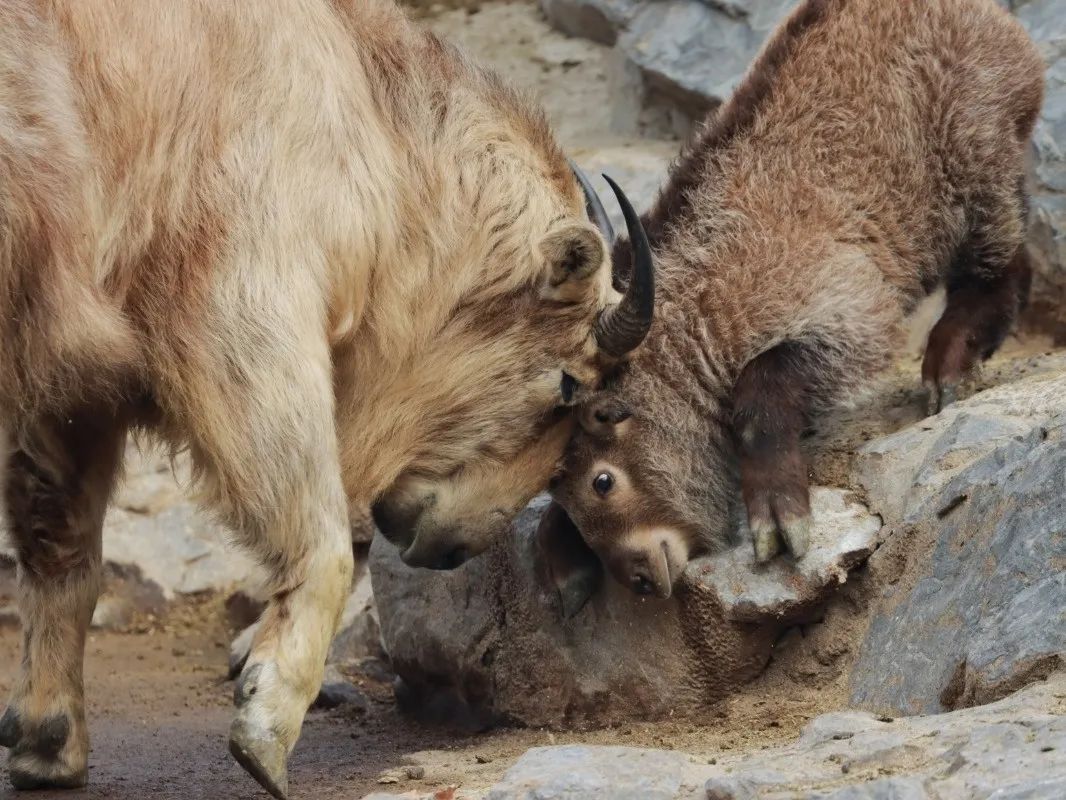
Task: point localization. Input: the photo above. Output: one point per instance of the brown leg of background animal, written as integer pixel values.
(981, 310)
(771, 404)
(58, 478)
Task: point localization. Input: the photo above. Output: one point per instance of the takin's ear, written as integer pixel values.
(575, 257)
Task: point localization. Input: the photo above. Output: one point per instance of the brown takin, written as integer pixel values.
(874, 151)
(310, 243)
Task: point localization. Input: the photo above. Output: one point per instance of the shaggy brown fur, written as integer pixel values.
(313, 245)
(873, 152)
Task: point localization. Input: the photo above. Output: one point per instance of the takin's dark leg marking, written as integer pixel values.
(772, 402)
(987, 288)
(57, 480)
(566, 563)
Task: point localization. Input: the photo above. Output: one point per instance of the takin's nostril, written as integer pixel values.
(642, 585)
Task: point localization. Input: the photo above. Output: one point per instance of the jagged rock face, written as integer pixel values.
(692, 53)
(1015, 748)
(490, 640)
(980, 491)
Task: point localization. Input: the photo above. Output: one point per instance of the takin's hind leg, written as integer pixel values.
(980, 313)
(271, 468)
(58, 477)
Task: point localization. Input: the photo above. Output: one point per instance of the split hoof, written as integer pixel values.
(772, 537)
(767, 541)
(262, 755)
(942, 396)
(40, 756)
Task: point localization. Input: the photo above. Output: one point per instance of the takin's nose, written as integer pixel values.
(449, 559)
(646, 574)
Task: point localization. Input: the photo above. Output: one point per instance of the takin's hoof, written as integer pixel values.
(791, 533)
(10, 729)
(941, 396)
(766, 539)
(43, 756)
(796, 532)
(262, 755)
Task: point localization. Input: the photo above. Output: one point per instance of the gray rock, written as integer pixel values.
(338, 691)
(883, 789)
(981, 489)
(1046, 22)
(1015, 748)
(158, 546)
(489, 640)
(693, 54)
(591, 773)
(598, 20)
(639, 168)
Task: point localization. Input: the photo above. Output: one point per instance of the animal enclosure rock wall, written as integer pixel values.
(980, 493)
(692, 53)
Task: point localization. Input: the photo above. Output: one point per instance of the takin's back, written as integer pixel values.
(880, 125)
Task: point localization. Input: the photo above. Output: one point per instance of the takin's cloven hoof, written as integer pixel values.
(262, 755)
(40, 757)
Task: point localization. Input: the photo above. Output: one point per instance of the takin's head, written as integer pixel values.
(647, 479)
(491, 393)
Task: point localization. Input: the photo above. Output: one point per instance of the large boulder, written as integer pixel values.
(1046, 22)
(1015, 748)
(489, 641)
(980, 492)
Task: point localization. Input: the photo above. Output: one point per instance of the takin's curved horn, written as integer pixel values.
(622, 327)
(593, 205)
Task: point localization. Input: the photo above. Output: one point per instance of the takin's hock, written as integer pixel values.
(313, 245)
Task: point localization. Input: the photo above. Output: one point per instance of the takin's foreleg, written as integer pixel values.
(58, 476)
(262, 436)
(771, 408)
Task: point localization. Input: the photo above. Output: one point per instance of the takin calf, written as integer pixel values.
(874, 151)
(310, 243)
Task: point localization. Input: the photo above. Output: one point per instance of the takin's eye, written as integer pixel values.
(603, 483)
(568, 388)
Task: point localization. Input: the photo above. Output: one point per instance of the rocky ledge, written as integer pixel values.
(1015, 748)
